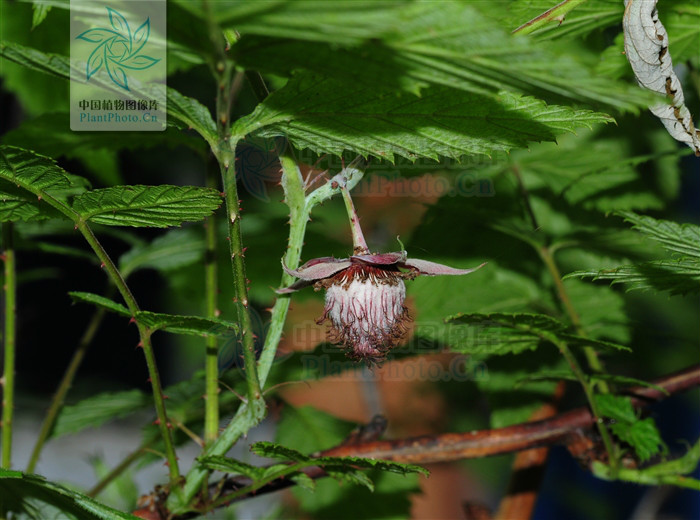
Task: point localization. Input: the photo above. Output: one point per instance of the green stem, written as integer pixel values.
(8, 377)
(211, 364)
(590, 397)
(358, 238)
(145, 337)
(226, 157)
(64, 386)
(546, 253)
(299, 212)
(590, 353)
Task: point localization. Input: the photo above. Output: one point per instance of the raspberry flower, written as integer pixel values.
(365, 294)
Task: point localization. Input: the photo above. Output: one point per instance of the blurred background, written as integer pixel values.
(440, 211)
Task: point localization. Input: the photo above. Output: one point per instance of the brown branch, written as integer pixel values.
(566, 428)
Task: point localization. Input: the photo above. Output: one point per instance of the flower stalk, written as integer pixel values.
(211, 363)
(9, 342)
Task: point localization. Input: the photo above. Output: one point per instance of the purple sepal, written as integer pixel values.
(318, 268)
(434, 269)
(382, 258)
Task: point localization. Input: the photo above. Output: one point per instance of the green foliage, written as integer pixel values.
(514, 127)
(307, 429)
(484, 59)
(147, 206)
(373, 123)
(175, 249)
(26, 178)
(97, 410)
(34, 497)
(679, 275)
(137, 206)
(505, 333)
(642, 434)
(343, 469)
(155, 321)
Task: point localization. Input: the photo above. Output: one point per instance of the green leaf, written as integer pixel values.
(27, 180)
(176, 248)
(627, 381)
(39, 498)
(272, 450)
(342, 21)
(97, 410)
(303, 481)
(308, 430)
(50, 134)
(642, 434)
(100, 301)
(683, 239)
(383, 465)
(504, 333)
(674, 276)
(147, 206)
(188, 111)
(193, 325)
(420, 46)
(192, 114)
(39, 12)
(328, 117)
(155, 321)
(595, 171)
(680, 275)
(53, 64)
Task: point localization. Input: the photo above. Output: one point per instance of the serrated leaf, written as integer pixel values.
(328, 117)
(23, 494)
(642, 435)
(26, 178)
(383, 465)
(100, 301)
(683, 239)
(147, 206)
(676, 277)
(502, 333)
(97, 410)
(272, 450)
(192, 114)
(176, 248)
